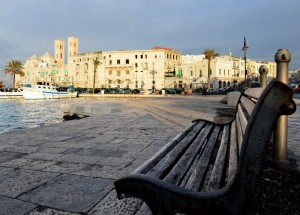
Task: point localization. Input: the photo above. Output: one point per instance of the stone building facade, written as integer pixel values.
(158, 67)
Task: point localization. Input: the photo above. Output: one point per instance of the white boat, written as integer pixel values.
(11, 95)
(44, 90)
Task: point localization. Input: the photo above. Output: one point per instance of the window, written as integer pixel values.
(136, 57)
(118, 73)
(146, 56)
(127, 72)
(110, 62)
(136, 65)
(191, 72)
(141, 56)
(118, 61)
(155, 56)
(228, 73)
(219, 71)
(127, 61)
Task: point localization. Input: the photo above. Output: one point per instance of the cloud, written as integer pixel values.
(31, 26)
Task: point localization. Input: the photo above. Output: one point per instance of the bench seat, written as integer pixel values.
(212, 168)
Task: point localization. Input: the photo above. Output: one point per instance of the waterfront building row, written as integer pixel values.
(158, 67)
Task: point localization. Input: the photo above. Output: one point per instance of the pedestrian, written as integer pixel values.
(204, 92)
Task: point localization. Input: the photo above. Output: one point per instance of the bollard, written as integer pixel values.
(263, 71)
(279, 153)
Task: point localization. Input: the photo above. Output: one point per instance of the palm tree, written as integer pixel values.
(14, 67)
(209, 54)
(96, 62)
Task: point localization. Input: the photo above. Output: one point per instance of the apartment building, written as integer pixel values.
(157, 68)
(143, 69)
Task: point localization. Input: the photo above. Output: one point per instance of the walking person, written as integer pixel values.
(204, 92)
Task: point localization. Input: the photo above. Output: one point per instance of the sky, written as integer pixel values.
(29, 27)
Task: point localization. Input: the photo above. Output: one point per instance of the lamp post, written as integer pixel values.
(153, 81)
(245, 58)
(136, 83)
(142, 84)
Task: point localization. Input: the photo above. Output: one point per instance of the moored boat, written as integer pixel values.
(11, 94)
(43, 90)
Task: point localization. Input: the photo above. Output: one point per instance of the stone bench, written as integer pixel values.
(212, 168)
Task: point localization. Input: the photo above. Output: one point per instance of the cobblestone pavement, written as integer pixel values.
(69, 168)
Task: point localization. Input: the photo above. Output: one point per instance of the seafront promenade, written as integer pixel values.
(69, 168)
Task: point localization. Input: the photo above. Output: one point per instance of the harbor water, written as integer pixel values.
(19, 114)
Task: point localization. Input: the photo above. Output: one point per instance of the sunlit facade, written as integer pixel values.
(158, 67)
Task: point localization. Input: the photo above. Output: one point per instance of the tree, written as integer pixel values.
(96, 62)
(14, 67)
(209, 54)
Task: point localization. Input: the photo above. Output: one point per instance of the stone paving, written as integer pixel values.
(69, 168)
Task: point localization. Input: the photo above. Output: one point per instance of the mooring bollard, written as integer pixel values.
(263, 71)
(279, 154)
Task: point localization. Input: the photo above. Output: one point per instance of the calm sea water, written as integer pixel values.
(16, 114)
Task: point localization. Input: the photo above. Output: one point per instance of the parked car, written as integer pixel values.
(113, 90)
(228, 89)
(104, 89)
(220, 91)
(88, 90)
(178, 90)
(125, 90)
(171, 91)
(135, 91)
(211, 92)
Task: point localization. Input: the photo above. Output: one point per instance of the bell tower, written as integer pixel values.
(72, 46)
(59, 50)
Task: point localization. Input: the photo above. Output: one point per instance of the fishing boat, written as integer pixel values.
(44, 90)
(11, 94)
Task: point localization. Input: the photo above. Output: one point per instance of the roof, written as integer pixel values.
(159, 47)
(34, 57)
(47, 55)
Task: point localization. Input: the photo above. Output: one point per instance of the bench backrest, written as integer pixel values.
(231, 151)
(257, 112)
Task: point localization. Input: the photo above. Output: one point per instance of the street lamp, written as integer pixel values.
(136, 83)
(245, 58)
(142, 84)
(153, 82)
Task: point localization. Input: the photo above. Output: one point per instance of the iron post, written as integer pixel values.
(279, 153)
(136, 82)
(263, 71)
